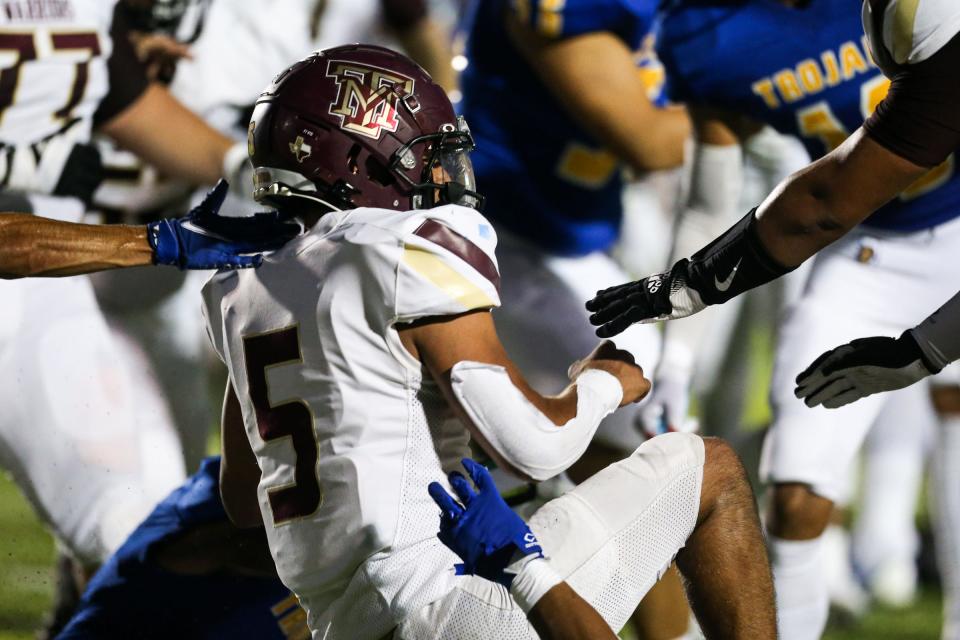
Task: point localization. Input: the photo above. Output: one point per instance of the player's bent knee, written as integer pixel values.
(670, 451)
(946, 399)
(724, 478)
(797, 513)
(722, 459)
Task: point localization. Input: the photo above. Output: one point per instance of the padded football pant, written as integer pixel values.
(611, 538)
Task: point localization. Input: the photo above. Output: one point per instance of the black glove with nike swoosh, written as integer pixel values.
(733, 263)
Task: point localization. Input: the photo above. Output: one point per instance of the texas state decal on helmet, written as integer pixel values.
(367, 96)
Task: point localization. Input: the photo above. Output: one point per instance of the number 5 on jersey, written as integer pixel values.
(284, 422)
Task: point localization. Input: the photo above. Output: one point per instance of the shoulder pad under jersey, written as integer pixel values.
(906, 32)
(447, 264)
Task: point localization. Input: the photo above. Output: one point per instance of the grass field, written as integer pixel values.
(26, 559)
(26, 584)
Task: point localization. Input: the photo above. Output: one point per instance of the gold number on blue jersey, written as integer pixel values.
(819, 121)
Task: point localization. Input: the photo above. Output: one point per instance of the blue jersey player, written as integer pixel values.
(187, 572)
(806, 69)
(559, 107)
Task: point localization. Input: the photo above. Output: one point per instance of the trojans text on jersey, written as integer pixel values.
(810, 77)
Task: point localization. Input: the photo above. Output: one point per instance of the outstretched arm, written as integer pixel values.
(824, 201)
(805, 213)
(33, 246)
(532, 435)
(913, 129)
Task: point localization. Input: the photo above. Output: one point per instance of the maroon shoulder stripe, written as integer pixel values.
(442, 235)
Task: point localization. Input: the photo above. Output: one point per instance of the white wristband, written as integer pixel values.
(532, 582)
(598, 392)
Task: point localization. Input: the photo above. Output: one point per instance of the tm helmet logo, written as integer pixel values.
(367, 97)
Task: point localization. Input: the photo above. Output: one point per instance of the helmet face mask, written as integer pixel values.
(359, 126)
(447, 154)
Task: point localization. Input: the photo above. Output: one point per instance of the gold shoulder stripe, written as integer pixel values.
(444, 277)
(902, 29)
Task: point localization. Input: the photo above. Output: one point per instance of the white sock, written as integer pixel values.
(802, 603)
(885, 541)
(945, 492)
(842, 587)
(885, 536)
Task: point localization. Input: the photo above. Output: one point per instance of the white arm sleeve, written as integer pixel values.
(939, 335)
(518, 431)
(712, 204)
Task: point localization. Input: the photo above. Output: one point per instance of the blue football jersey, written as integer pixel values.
(132, 597)
(805, 71)
(545, 178)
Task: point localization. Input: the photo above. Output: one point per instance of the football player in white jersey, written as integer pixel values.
(362, 359)
(233, 53)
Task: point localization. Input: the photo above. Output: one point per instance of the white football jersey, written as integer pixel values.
(909, 31)
(346, 430)
(53, 55)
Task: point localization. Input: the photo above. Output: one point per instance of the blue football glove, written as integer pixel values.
(481, 528)
(203, 239)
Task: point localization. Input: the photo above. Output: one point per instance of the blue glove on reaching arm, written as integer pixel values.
(481, 529)
(203, 239)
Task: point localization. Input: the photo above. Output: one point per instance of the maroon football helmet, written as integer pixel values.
(359, 126)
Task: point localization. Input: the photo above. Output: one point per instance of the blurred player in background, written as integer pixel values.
(348, 317)
(814, 78)
(187, 572)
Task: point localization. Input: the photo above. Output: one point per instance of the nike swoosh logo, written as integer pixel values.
(200, 231)
(723, 285)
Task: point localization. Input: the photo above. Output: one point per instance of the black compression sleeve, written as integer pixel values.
(920, 118)
(733, 263)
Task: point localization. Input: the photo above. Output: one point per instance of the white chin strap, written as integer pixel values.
(528, 440)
